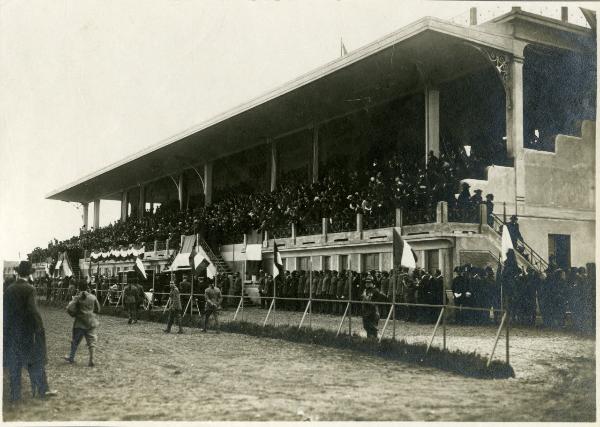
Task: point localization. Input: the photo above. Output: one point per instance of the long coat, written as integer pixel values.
(24, 335)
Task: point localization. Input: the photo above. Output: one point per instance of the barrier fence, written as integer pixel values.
(299, 312)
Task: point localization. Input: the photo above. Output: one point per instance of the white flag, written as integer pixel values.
(506, 243)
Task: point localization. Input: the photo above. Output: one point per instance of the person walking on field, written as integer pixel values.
(24, 336)
(130, 296)
(175, 310)
(84, 306)
(213, 298)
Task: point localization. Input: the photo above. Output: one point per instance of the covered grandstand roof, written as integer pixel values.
(394, 65)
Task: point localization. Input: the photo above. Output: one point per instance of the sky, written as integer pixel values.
(86, 83)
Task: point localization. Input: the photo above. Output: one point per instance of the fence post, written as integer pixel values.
(507, 338)
(350, 305)
(435, 329)
(496, 339)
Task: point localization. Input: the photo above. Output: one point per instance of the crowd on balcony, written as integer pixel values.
(398, 181)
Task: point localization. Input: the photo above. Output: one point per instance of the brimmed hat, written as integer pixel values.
(24, 268)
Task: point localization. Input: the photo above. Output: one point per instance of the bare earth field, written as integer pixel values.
(144, 374)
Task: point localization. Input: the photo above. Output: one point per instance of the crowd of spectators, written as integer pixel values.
(339, 195)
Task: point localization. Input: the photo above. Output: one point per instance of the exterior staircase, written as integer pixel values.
(528, 257)
(216, 259)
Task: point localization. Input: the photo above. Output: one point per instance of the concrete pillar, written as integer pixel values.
(324, 227)
(432, 121)
(142, 202)
(273, 165)
(473, 16)
(85, 215)
(398, 217)
(359, 222)
(294, 232)
(315, 156)
(124, 203)
(208, 183)
(564, 14)
(96, 213)
(441, 212)
(180, 184)
(514, 108)
(514, 129)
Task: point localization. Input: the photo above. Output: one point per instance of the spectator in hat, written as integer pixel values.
(489, 204)
(464, 196)
(24, 336)
(476, 198)
(513, 230)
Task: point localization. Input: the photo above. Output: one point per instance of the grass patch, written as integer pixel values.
(468, 364)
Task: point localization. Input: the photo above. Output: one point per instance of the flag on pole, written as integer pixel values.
(404, 255)
(66, 265)
(343, 50)
(506, 243)
(139, 268)
(198, 263)
(277, 261)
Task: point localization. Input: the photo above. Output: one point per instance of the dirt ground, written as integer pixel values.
(144, 374)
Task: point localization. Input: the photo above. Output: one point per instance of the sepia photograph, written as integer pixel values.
(298, 211)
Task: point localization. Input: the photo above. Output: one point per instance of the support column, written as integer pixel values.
(432, 121)
(514, 129)
(315, 156)
(180, 183)
(142, 202)
(96, 214)
(273, 165)
(85, 215)
(208, 180)
(124, 203)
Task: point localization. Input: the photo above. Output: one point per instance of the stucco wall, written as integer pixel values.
(566, 178)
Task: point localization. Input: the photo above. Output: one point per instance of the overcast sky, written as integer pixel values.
(86, 83)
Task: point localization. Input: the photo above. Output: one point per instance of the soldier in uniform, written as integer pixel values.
(384, 288)
(175, 310)
(293, 291)
(213, 299)
(325, 291)
(262, 289)
(130, 297)
(370, 312)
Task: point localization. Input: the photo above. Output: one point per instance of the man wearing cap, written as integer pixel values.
(85, 323)
(370, 312)
(476, 198)
(24, 336)
(489, 205)
(213, 298)
(175, 310)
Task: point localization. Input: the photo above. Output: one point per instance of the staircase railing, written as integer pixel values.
(534, 259)
(215, 259)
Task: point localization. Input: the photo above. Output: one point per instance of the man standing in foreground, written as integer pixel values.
(24, 336)
(85, 323)
(370, 312)
(213, 298)
(175, 311)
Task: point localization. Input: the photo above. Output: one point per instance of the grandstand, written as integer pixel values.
(512, 100)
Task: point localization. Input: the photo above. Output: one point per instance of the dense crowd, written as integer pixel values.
(339, 195)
